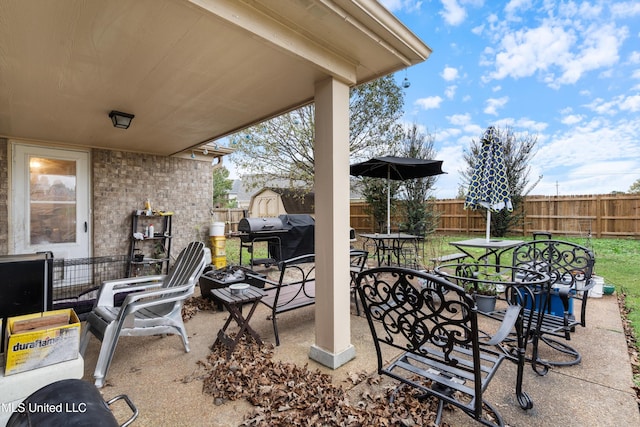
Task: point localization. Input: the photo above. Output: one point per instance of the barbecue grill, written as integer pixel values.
(268, 230)
(288, 236)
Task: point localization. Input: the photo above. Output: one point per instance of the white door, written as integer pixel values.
(50, 201)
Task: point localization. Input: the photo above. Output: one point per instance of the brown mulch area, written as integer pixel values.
(632, 343)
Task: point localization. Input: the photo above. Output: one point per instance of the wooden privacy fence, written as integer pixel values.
(598, 215)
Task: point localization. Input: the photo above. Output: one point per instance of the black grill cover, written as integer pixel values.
(253, 225)
(299, 239)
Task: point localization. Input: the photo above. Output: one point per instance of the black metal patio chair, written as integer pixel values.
(433, 323)
(357, 263)
(570, 267)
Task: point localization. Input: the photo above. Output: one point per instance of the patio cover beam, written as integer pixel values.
(276, 33)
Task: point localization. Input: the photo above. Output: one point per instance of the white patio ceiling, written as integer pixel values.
(190, 71)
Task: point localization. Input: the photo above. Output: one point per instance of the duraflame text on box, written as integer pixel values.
(40, 339)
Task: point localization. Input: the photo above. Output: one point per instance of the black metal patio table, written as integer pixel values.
(389, 246)
(492, 247)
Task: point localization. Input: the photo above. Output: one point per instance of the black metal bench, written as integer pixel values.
(296, 288)
(434, 323)
(458, 256)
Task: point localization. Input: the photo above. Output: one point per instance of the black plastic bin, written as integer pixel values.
(68, 403)
(221, 278)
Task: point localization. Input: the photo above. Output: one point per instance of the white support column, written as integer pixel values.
(333, 346)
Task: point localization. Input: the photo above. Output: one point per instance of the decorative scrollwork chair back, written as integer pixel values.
(434, 324)
(570, 267)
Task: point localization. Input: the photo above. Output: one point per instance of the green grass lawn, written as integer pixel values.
(617, 260)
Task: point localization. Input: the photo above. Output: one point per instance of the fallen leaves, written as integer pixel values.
(285, 394)
(195, 304)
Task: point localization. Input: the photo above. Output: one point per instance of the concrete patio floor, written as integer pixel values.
(161, 378)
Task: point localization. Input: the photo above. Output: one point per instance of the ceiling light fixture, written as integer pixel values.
(121, 120)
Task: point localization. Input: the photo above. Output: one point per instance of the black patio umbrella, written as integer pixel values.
(398, 169)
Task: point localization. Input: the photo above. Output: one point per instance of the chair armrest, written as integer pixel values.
(508, 322)
(138, 300)
(270, 284)
(590, 284)
(110, 288)
(158, 292)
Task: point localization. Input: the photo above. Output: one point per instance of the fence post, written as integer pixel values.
(598, 202)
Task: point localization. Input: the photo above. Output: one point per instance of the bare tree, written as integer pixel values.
(283, 147)
(416, 217)
(421, 218)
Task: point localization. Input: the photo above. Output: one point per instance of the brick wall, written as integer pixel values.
(122, 181)
(4, 194)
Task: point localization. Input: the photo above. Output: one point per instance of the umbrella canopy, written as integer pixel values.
(489, 186)
(398, 169)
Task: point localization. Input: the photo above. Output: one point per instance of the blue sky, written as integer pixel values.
(568, 72)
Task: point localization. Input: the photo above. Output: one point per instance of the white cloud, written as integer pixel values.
(478, 30)
(492, 105)
(524, 52)
(625, 9)
(594, 140)
(616, 104)
(447, 185)
(599, 49)
(530, 125)
(459, 119)
(429, 103)
(572, 119)
(450, 91)
(630, 103)
(449, 73)
(560, 50)
(515, 6)
(453, 13)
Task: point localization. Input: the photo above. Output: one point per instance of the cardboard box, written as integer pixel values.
(41, 339)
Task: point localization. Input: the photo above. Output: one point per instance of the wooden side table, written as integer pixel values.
(233, 303)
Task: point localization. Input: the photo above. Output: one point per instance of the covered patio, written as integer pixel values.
(192, 72)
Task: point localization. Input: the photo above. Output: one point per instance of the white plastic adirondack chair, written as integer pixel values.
(153, 306)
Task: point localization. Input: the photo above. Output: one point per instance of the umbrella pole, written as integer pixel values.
(388, 200)
(488, 224)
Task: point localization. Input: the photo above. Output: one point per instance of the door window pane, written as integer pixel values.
(52, 202)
